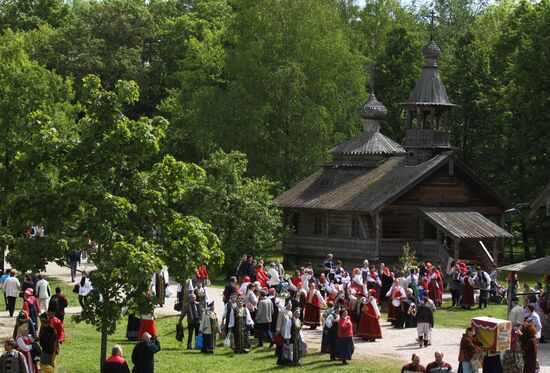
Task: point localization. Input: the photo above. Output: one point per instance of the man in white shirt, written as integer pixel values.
(273, 275)
(534, 318)
(516, 312)
(43, 292)
(11, 289)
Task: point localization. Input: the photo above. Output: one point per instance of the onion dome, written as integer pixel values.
(431, 53)
(373, 109)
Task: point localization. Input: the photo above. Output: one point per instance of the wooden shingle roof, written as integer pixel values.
(369, 143)
(362, 189)
(463, 223)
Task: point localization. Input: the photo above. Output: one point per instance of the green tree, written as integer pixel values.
(37, 123)
(118, 191)
(240, 208)
(290, 79)
(30, 14)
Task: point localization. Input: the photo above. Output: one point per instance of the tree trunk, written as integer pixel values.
(104, 334)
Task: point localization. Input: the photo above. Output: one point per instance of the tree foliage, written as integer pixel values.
(240, 208)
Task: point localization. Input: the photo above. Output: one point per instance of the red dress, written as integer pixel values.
(467, 293)
(147, 324)
(369, 322)
(312, 312)
(435, 291)
(261, 277)
(393, 310)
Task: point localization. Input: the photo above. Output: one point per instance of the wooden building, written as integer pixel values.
(377, 195)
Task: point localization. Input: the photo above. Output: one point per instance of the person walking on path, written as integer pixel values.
(74, 261)
(424, 322)
(12, 361)
(31, 306)
(11, 290)
(59, 302)
(43, 292)
(84, 288)
(115, 363)
(3, 279)
(144, 352)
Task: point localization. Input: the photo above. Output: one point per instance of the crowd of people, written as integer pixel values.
(272, 307)
(38, 331)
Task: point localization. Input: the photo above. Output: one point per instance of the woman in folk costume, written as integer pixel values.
(147, 323)
(377, 283)
(433, 285)
(387, 281)
(323, 285)
(261, 275)
(357, 282)
(24, 326)
(23, 334)
(240, 323)
(467, 298)
(529, 347)
(24, 345)
(159, 282)
(293, 336)
(312, 312)
(202, 295)
(369, 321)
(396, 292)
(344, 343)
(325, 344)
(209, 327)
(285, 315)
(297, 280)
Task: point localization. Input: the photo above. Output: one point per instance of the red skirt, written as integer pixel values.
(312, 315)
(147, 326)
(435, 293)
(369, 327)
(392, 313)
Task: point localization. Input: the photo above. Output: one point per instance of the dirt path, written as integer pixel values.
(396, 343)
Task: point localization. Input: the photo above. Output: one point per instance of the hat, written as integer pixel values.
(271, 291)
(29, 292)
(22, 316)
(514, 299)
(246, 279)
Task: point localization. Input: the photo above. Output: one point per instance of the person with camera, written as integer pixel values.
(144, 352)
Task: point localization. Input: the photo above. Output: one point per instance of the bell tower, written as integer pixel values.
(428, 110)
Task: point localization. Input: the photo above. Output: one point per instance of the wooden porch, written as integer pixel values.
(359, 249)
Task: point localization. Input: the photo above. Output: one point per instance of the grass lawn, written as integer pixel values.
(80, 354)
(447, 317)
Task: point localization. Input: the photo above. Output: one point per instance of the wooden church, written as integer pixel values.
(377, 195)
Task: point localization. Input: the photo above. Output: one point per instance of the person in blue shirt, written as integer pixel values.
(2, 279)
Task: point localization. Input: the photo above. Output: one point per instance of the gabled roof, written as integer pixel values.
(463, 223)
(369, 143)
(541, 201)
(356, 189)
(367, 189)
